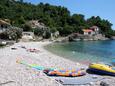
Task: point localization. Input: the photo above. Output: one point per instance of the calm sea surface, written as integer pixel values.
(85, 51)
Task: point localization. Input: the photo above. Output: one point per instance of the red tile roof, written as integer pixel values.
(87, 30)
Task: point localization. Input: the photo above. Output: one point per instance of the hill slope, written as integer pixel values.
(55, 17)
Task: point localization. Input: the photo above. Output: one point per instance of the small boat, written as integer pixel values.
(102, 69)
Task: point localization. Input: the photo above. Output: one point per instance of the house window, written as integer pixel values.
(89, 32)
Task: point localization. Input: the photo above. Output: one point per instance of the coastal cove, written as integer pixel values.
(14, 66)
(57, 43)
(85, 51)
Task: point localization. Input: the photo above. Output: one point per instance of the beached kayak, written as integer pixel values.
(102, 69)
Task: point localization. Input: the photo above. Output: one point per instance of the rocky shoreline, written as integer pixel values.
(79, 37)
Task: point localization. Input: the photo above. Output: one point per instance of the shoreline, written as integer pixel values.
(59, 56)
(21, 75)
(85, 63)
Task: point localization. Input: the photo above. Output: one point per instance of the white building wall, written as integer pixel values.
(85, 33)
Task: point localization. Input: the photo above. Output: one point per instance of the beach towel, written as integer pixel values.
(35, 66)
(79, 80)
(33, 50)
(51, 71)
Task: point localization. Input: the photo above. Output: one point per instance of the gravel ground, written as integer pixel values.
(14, 74)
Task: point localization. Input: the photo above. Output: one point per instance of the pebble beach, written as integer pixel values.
(14, 74)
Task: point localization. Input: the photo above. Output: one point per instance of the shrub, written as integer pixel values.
(38, 31)
(26, 27)
(46, 34)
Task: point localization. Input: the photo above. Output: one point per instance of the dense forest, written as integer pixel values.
(55, 17)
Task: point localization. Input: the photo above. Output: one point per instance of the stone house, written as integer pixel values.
(95, 29)
(92, 31)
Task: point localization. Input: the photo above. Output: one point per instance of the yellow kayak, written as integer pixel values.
(102, 69)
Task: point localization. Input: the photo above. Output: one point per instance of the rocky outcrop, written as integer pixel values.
(79, 37)
(113, 37)
(36, 24)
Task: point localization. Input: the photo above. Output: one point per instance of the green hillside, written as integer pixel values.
(56, 17)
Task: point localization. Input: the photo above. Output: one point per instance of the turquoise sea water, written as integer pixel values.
(85, 51)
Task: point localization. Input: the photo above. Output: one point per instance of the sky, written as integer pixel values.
(103, 8)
